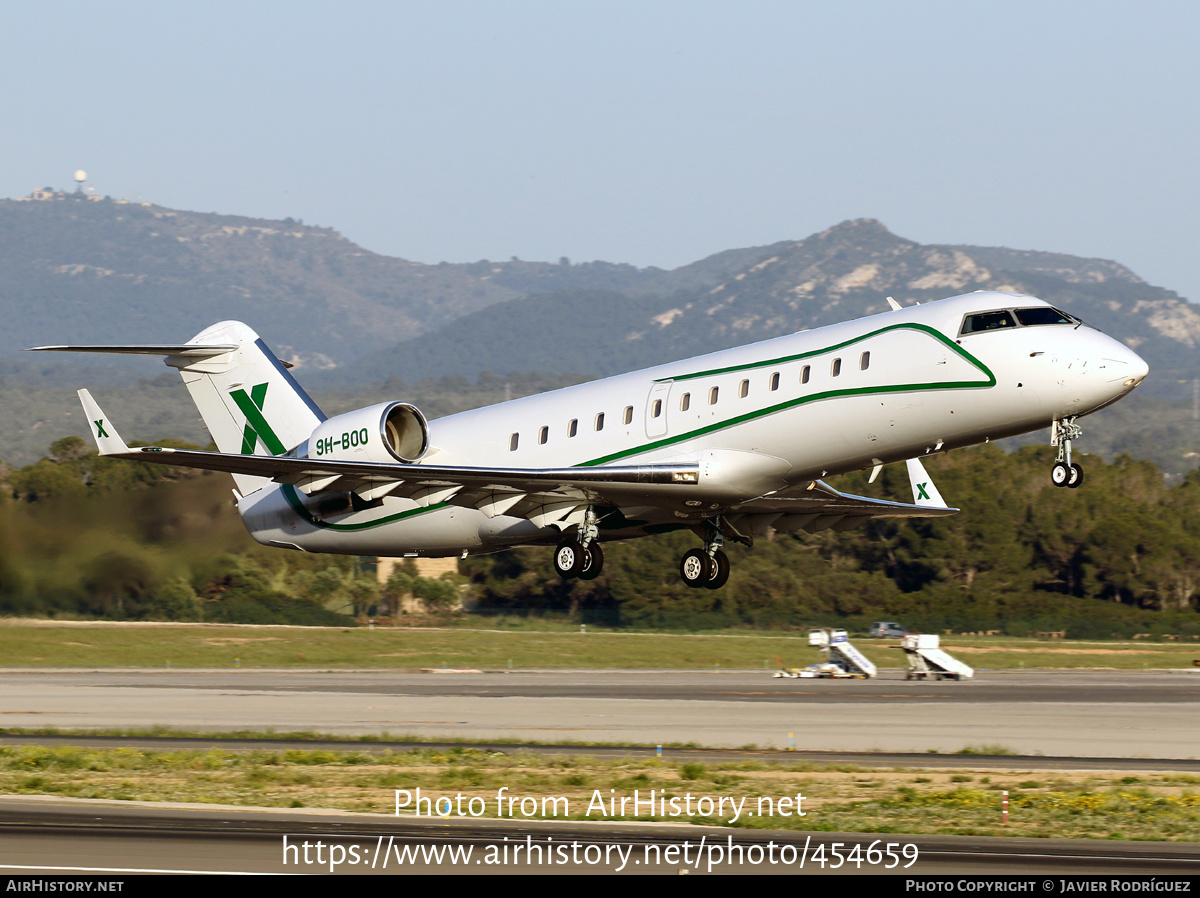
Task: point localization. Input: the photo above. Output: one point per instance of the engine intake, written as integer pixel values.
(388, 432)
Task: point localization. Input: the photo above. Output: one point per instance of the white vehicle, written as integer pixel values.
(726, 445)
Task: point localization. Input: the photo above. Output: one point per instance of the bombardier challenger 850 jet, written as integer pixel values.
(726, 445)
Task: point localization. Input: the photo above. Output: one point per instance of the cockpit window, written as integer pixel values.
(987, 321)
(1043, 315)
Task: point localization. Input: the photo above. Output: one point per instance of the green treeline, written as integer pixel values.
(1118, 556)
(82, 536)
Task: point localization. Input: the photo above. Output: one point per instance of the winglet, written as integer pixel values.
(108, 441)
(925, 493)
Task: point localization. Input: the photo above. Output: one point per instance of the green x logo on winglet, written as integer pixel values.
(921, 494)
(100, 431)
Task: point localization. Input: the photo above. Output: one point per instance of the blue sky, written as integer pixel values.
(651, 132)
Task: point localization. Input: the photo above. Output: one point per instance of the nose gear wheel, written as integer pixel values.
(1065, 472)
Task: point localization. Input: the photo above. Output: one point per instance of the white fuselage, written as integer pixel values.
(758, 418)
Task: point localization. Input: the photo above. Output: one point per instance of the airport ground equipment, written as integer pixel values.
(926, 658)
(839, 658)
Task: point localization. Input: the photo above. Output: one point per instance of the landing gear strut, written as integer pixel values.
(1065, 472)
(579, 555)
(707, 568)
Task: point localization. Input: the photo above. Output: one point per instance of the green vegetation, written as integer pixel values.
(46, 644)
(838, 798)
(1115, 558)
(86, 537)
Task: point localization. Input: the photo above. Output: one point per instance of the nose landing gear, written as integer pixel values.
(1065, 472)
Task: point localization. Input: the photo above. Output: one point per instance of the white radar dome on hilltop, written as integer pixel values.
(80, 176)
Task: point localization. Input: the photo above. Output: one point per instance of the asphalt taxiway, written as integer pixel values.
(1118, 714)
(109, 840)
(1114, 718)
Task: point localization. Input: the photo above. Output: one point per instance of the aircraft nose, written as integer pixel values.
(1125, 367)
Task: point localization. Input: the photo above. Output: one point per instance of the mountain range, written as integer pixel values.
(845, 272)
(84, 269)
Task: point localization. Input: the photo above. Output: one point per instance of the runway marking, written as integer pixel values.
(563, 729)
(854, 695)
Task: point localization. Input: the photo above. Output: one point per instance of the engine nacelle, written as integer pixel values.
(388, 432)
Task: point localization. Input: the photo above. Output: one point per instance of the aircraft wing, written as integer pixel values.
(820, 507)
(493, 490)
(543, 495)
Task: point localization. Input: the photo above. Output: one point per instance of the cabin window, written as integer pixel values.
(629, 414)
(573, 427)
(512, 442)
(836, 368)
(656, 409)
(543, 435)
(685, 402)
(775, 381)
(864, 361)
(600, 421)
(988, 321)
(804, 373)
(712, 395)
(744, 389)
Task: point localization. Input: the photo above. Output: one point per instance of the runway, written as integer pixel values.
(109, 839)
(1118, 714)
(1138, 716)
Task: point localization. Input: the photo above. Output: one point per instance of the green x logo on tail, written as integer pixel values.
(257, 427)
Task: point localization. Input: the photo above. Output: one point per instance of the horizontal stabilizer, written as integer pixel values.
(187, 350)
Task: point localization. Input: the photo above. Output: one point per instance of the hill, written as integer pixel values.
(74, 268)
(84, 269)
(842, 273)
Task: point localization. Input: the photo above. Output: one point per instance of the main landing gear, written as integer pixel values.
(708, 568)
(1065, 472)
(579, 555)
(700, 568)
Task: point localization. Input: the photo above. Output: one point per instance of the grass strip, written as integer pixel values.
(32, 644)
(836, 797)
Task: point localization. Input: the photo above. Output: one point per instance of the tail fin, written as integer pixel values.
(249, 401)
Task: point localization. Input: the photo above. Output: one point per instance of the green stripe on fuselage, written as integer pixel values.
(813, 397)
(289, 491)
